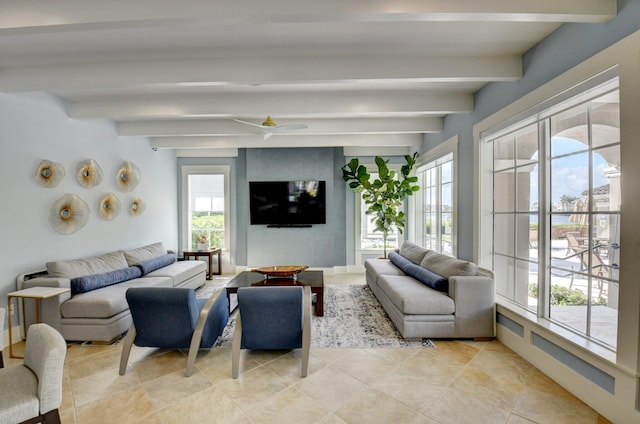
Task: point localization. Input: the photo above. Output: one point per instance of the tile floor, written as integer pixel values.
(457, 382)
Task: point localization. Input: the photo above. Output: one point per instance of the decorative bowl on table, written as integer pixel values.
(281, 270)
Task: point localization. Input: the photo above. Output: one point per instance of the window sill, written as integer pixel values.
(567, 339)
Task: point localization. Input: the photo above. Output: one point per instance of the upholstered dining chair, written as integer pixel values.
(32, 391)
(174, 318)
(272, 318)
(2, 312)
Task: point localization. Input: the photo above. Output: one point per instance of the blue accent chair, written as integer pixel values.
(174, 318)
(272, 318)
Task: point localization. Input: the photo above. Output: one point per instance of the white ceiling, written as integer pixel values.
(358, 72)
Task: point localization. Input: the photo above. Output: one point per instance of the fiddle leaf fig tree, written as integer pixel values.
(385, 195)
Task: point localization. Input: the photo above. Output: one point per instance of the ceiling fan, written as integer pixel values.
(269, 127)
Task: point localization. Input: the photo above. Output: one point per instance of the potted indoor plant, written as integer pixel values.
(385, 195)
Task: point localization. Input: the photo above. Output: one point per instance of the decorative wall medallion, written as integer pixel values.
(88, 173)
(49, 174)
(109, 207)
(68, 214)
(137, 207)
(127, 177)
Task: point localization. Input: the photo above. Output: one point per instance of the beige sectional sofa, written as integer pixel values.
(429, 295)
(96, 308)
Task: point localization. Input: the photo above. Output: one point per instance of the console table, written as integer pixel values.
(36, 293)
(209, 253)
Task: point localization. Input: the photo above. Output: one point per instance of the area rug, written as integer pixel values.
(353, 318)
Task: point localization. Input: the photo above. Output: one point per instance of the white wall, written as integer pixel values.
(34, 127)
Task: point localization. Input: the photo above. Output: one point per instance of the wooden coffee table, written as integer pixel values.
(313, 279)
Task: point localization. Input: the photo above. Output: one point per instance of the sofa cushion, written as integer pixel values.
(448, 266)
(144, 253)
(158, 262)
(96, 281)
(89, 266)
(413, 252)
(412, 297)
(381, 267)
(399, 261)
(425, 276)
(107, 301)
(180, 272)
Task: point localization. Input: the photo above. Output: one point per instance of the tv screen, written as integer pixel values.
(287, 203)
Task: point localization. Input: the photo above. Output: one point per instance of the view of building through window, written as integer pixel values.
(556, 213)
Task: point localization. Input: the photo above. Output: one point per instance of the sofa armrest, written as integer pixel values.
(474, 297)
(47, 282)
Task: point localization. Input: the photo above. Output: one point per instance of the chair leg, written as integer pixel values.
(306, 331)
(126, 348)
(235, 350)
(51, 417)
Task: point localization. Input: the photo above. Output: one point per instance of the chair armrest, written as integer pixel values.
(197, 333)
(474, 298)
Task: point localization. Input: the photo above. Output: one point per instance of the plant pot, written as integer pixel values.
(203, 246)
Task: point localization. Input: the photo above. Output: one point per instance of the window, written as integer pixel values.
(205, 206)
(370, 239)
(436, 182)
(556, 213)
(435, 203)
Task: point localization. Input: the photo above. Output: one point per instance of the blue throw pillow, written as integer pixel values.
(428, 277)
(96, 281)
(158, 262)
(399, 261)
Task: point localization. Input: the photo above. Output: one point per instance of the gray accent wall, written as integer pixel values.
(315, 246)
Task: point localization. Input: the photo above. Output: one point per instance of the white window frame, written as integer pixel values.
(437, 154)
(542, 100)
(188, 170)
(361, 253)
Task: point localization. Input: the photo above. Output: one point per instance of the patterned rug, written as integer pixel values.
(353, 318)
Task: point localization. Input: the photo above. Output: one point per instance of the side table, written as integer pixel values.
(36, 293)
(209, 253)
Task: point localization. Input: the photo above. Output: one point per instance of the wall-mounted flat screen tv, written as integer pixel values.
(287, 203)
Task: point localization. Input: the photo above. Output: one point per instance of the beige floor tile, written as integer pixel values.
(374, 407)
(434, 370)
(218, 367)
(544, 407)
(331, 388)
(289, 406)
(487, 387)
(125, 407)
(330, 355)
(209, 406)
(102, 384)
(414, 390)
(503, 364)
(96, 363)
(159, 365)
(253, 386)
(515, 419)
(366, 366)
(173, 387)
(455, 407)
(289, 367)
